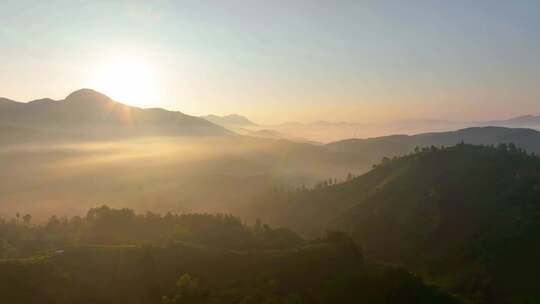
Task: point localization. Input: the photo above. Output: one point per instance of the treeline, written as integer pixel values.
(509, 148)
(418, 150)
(118, 256)
(108, 226)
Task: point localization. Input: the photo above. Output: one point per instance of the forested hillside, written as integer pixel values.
(465, 217)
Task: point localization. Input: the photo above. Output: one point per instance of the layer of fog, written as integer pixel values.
(159, 174)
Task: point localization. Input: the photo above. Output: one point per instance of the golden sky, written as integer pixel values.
(365, 61)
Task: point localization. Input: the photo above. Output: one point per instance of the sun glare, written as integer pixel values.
(128, 81)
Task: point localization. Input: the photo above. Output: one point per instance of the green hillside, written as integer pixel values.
(465, 217)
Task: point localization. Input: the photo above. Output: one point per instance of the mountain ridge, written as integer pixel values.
(522, 120)
(526, 138)
(231, 120)
(89, 112)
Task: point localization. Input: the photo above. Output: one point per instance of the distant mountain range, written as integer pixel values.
(233, 120)
(87, 113)
(519, 121)
(243, 126)
(330, 131)
(527, 139)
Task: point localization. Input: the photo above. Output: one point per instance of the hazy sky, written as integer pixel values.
(280, 61)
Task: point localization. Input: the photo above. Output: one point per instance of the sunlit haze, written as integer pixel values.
(128, 80)
(269, 151)
(277, 61)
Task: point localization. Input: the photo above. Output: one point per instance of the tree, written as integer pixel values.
(258, 225)
(26, 219)
(53, 223)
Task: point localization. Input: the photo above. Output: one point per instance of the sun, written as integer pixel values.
(127, 80)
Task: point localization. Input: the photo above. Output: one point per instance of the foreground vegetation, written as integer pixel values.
(116, 256)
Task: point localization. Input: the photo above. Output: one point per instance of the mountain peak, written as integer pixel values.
(88, 95)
